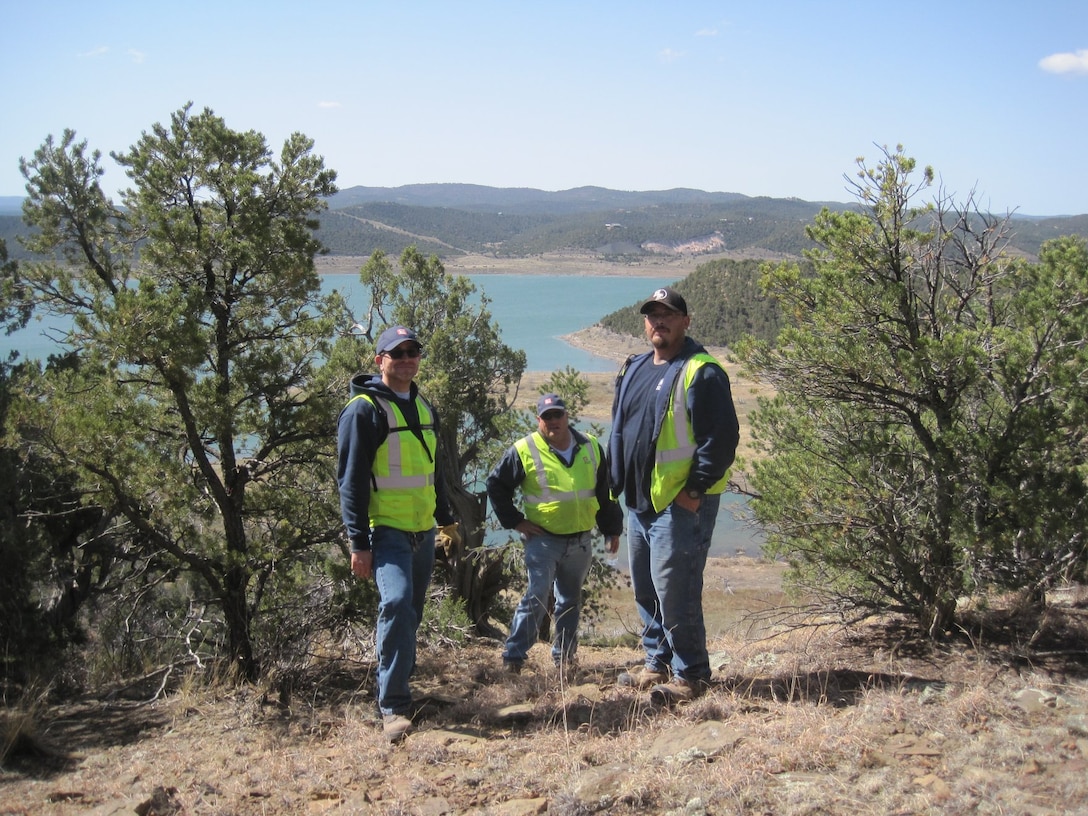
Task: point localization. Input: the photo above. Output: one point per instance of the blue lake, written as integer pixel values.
(533, 313)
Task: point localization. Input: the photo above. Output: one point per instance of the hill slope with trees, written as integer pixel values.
(724, 301)
(449, 220)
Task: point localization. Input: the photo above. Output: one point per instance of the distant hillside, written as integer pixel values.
(522, 200)
(450, 219)
(519, 223)
(455, 219)
(723, 300)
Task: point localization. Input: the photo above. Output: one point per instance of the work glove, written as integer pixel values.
(448, 537)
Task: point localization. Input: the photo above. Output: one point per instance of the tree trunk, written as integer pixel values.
(476, 575)
(236, 614)
(236, 609)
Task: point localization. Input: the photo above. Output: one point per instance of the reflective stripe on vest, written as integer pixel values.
(395, 449)
(562, 500)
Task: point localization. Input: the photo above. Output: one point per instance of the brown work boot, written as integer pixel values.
(678, 690)
(642, 678)
(396, 727)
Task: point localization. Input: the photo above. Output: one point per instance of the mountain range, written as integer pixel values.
(457, 219)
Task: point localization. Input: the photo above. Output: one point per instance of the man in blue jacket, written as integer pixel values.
(391, 494)
(674, 436)
(563, 480)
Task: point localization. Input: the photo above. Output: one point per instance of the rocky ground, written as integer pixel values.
(824, 719)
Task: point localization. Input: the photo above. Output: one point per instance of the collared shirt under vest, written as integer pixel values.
(561, 499)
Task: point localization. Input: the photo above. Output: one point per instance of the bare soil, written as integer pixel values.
(821, 719)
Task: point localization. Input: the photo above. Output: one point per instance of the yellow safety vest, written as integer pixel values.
(404, 493)
(562, 500)
(676, 442)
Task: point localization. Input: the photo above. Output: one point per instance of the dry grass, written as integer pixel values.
(798, 721)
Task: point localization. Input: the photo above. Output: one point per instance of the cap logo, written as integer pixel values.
(660, 294)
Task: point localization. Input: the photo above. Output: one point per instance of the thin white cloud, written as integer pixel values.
(668, 55)
(1066, 62)
(328, 104)
(707, 32)
(95, 52)
(137, 56)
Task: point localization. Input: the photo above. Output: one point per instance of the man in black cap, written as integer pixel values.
(391, 494)
(564, 485)
(674, 436)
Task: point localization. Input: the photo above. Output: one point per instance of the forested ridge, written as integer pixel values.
(724, 301)
(452, 219)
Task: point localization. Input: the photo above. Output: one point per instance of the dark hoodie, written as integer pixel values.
(637, 418)
(361, 430)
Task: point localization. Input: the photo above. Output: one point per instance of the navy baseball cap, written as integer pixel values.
(550, 402)
(393, 337)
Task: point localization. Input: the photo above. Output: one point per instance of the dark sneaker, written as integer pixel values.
(396, 727)
(677, 691)
(512, 666)
(642, 678)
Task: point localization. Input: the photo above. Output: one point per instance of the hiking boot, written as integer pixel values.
(512, 666)
(396, 727)
(642, 678)
(678, 690)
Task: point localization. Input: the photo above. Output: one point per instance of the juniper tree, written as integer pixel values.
(927, 439)
(198, 404)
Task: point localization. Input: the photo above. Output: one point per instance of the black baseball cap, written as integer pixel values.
(667, 297)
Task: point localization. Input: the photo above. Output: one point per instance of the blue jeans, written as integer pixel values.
(403, 563)
(550, 559)
(668, 554)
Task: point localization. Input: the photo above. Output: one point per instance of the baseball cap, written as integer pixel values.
(667, 297)
(550, 402)
(393, 337)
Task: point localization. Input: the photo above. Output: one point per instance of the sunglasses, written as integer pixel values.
(400, 354)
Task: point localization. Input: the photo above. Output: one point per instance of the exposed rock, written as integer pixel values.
(519, 807)
(697, 742)
(1034, 700)
(521, 712)
(163, 802)
(602, 786)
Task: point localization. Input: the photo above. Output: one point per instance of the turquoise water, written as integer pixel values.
(533, 312)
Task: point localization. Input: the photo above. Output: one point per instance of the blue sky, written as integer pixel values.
(762, 98)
